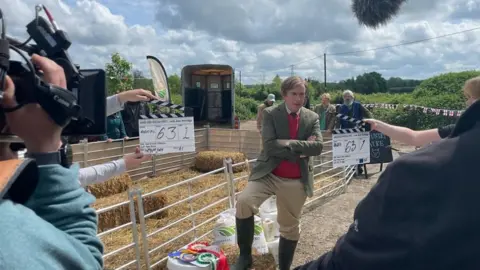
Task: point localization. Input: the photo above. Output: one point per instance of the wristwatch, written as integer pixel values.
(61, 157)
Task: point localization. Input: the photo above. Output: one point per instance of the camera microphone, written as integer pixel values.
(373, 13)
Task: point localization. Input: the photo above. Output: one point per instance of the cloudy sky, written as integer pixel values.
(264, 37)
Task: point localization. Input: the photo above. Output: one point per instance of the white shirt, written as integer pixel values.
(289, 112)
(101, 173)
(113, 105)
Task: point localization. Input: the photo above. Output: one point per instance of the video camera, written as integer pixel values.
(81, 108)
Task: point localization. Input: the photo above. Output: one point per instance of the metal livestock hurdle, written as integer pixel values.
(149, 253)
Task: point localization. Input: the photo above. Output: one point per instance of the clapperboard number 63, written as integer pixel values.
(171, 133)
(350, 146)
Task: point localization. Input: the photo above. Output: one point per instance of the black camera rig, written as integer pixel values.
(80, 108)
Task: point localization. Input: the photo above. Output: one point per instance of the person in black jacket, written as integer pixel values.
(131, 113)
(423, 212)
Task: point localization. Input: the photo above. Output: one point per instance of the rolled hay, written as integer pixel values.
(121, 215)
(265, 261)
(112, 186)
(207, 161)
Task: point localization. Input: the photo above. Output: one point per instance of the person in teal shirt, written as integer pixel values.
(47, 220)
(115, 128)
(326, 113)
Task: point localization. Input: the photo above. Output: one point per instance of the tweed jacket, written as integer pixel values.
(275, 127)
(330, 117)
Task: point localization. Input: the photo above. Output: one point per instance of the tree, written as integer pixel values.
(277, 82)
(174, 84)
(443, 91)
(399, 85)
(119, 74)
(138, 74)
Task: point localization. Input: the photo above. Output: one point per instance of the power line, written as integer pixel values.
(376, 48)
(389, 46)
(405, 43)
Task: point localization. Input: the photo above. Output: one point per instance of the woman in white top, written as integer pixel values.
(102, 172)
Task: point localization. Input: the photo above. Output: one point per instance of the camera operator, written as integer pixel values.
(56, 227)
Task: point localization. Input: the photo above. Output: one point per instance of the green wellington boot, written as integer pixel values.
(245, 231)
(286, 250)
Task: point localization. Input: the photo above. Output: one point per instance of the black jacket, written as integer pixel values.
(131, 113)
(423, 213)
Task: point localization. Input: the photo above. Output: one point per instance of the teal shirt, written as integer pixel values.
(323, 118)
(55, 229)
(115, 127)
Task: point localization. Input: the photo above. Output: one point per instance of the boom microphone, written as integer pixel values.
(373, 13)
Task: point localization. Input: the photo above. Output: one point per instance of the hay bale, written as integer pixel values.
(112, 186)
(206, 161)
(113, 218)
(153, 203)
(265, 261)
(121, 215)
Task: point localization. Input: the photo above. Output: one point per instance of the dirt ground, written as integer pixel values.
(324, 222)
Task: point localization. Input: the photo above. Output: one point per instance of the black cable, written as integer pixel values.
(32, 73)
(24, 43)
(29, 63)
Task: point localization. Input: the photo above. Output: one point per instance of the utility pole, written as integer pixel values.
(263, 81)
(292, 66)
(325, 70)
(240, 79)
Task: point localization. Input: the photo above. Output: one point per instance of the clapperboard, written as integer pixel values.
(164, 104)
(165, 133)
(351, 146)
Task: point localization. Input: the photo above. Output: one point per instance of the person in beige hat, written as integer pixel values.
(269, 101)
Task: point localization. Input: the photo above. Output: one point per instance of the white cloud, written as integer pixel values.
(262, 37)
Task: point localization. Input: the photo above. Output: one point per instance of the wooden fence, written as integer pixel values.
(245, 141)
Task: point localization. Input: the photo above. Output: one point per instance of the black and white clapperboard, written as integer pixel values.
(359, 145)
(167, 132)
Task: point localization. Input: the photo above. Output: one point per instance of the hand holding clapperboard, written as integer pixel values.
(351, 146)
(166, 133)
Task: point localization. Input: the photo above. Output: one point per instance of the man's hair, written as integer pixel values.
(348, 92)
(472, 87)
(326, 95)
(291, 83)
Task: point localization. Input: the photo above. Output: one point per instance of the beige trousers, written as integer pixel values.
(291, 197)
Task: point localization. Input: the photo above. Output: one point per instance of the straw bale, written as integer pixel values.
(153, 203)
(112, 186)
(121, 215)
(206, 161)
(113, 218)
